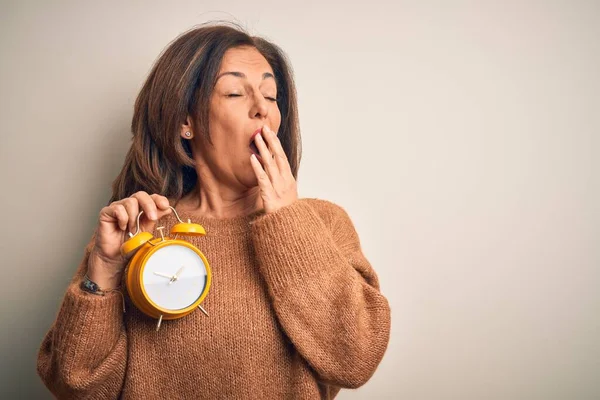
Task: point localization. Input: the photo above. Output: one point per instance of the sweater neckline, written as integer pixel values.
(218, 226)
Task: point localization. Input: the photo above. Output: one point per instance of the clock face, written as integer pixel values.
(174, 277)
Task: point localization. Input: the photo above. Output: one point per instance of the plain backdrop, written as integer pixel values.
(460, 136)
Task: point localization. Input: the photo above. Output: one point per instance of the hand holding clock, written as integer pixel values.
(106, 264)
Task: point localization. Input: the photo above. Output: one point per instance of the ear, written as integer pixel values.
(186, 129)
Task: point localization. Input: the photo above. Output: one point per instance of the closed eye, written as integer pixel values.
(273, 99)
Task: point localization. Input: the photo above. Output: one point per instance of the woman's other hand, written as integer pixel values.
(106, 264)
(278, 187)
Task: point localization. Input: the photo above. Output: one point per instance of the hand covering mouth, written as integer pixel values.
(253, 148)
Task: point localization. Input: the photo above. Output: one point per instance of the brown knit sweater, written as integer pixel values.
(295, 313)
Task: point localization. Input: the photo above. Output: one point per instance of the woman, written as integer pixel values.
(295, 308)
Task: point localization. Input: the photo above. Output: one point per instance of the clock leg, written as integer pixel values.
(159, 322)
(203, 310)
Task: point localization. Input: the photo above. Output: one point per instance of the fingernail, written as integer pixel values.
(153, 215)
(259, 136)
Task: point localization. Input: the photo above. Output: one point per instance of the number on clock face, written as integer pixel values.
(174, 277)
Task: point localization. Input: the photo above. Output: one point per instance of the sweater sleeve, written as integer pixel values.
(83, 355)
(324, 291)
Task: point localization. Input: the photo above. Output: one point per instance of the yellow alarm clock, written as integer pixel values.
(166, 278)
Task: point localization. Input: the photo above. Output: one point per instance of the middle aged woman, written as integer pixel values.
(295, 308)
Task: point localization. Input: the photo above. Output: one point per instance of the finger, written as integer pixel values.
(120, 214)
(114, 214)
(276, 149)
(267, 159)
(161, 202)
(162, 205)
(132, 207)
(263, 180)
(147, 205)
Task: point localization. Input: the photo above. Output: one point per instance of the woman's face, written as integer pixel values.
(242, 101)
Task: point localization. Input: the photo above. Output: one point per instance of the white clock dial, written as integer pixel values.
(174, 277)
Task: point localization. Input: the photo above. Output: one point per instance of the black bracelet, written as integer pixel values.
(90, 286)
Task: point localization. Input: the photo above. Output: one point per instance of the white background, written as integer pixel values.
(460, 136)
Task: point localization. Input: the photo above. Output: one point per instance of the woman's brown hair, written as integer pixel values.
(180, 85)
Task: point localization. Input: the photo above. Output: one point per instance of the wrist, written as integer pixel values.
(104, 283)
(106, 275)
(88, 285)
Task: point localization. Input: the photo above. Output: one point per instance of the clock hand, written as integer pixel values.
(163, 275)
(176, 276)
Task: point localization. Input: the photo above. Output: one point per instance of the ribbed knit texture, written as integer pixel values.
(295, 313)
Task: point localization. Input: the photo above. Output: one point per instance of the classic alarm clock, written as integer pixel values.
(166, 278)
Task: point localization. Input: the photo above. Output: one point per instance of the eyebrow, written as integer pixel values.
(242, 75)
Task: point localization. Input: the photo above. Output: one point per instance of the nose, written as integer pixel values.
(260, 107)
